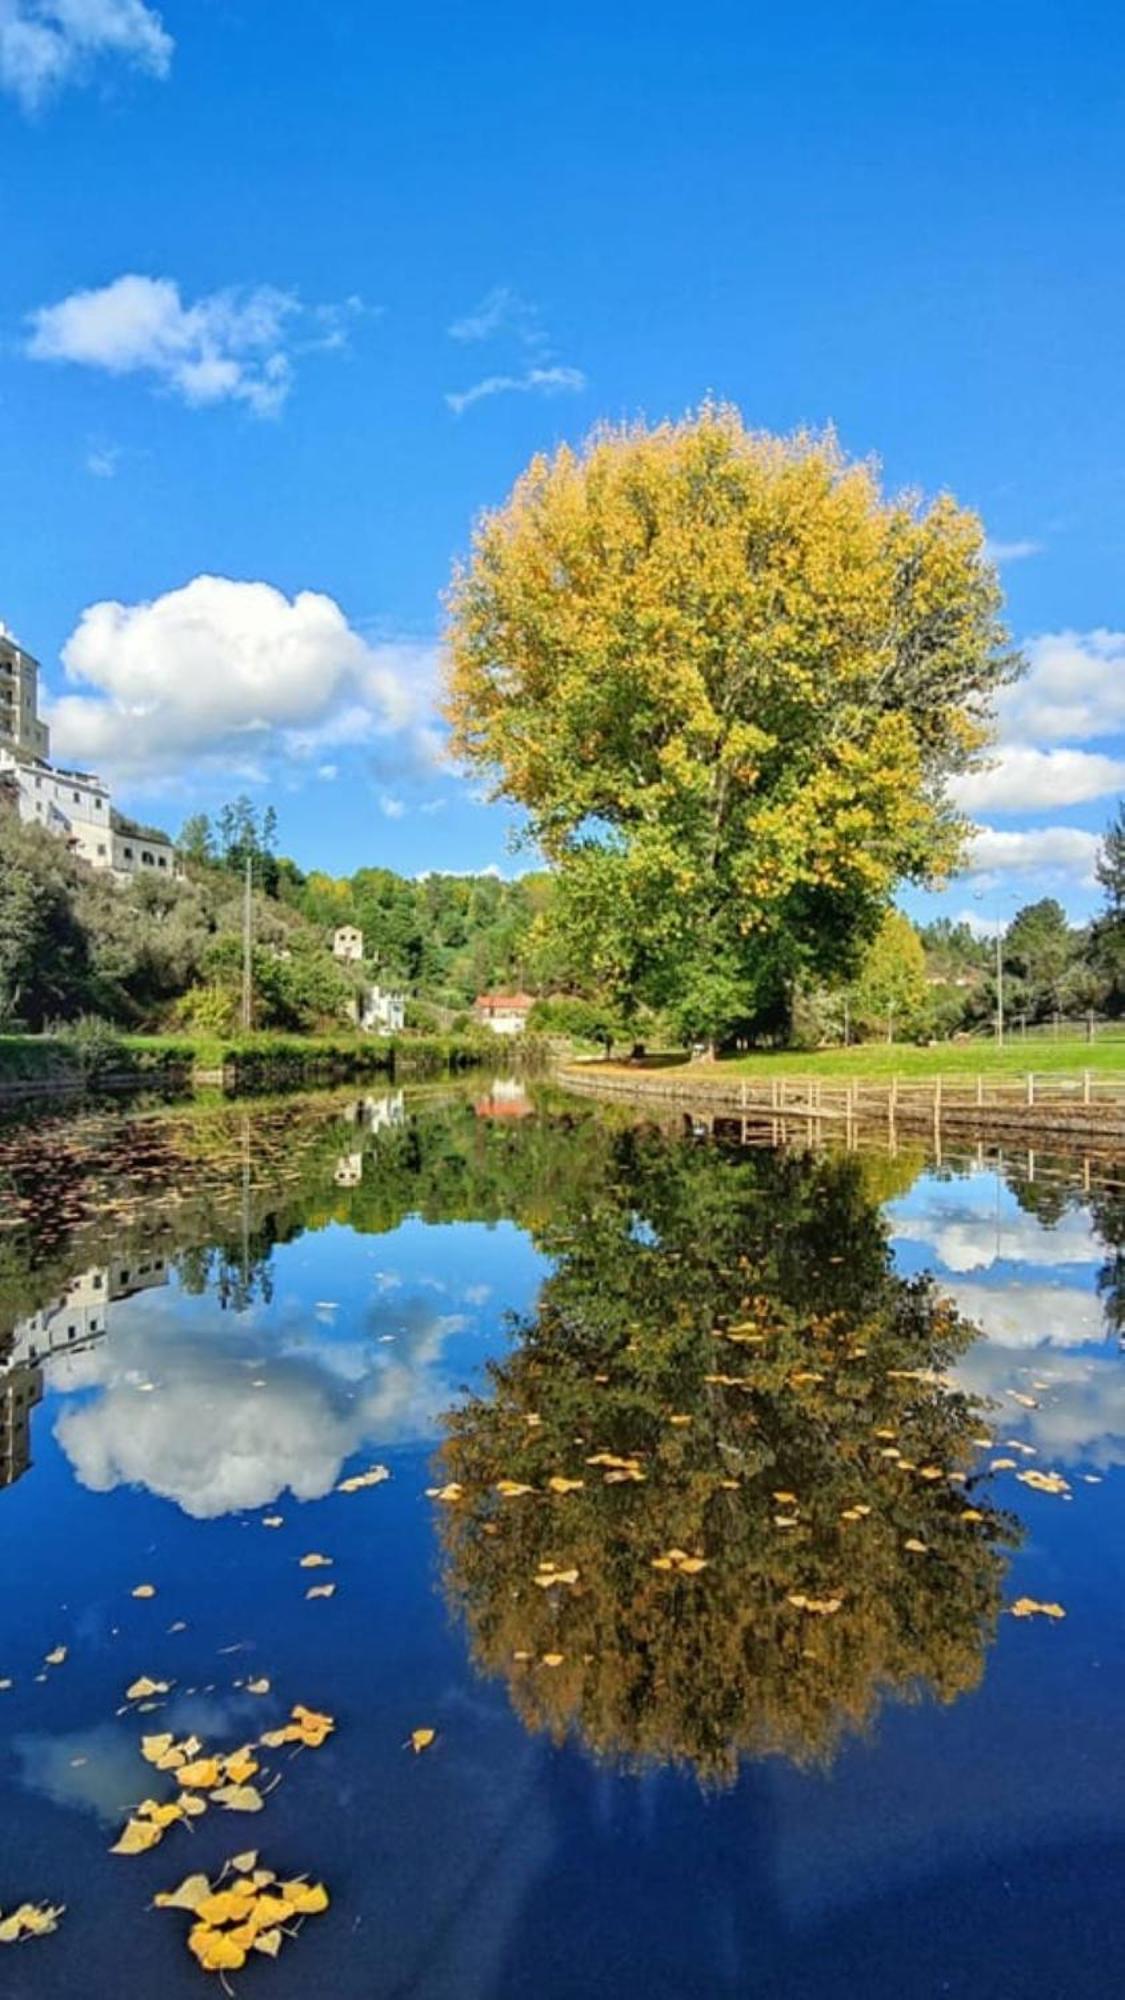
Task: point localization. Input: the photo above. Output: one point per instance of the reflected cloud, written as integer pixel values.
(1029, 1316)
(974, 1238)
(1081, 1415)
(219, 1417)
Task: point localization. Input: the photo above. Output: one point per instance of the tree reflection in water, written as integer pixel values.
(727, 1362)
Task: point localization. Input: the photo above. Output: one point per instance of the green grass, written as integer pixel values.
(880, 1060)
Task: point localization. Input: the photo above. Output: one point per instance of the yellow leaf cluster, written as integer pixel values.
(255, 1912)
(681, 1561)
(30, 1920)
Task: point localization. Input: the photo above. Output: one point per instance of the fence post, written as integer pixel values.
(980, 1090)
(1085, 1086)
(1030, 1087)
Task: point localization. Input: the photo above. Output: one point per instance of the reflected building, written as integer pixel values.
(76, 1319)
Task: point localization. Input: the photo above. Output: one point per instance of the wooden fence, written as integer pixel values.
(1080, 1106)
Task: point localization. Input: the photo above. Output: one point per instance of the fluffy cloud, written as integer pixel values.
(968, 1240)
(1061, 853)
(1006, 552)
(228, 346)
(1023, 779)
(1019, 1316)
(1074, 689)
(233, 675)
(503, 314)
(208, 1440)
(45, 44)
(1081, 1415)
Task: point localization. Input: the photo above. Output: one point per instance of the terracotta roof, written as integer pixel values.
(513, 1002)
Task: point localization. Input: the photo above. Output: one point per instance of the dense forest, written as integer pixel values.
(165, 954)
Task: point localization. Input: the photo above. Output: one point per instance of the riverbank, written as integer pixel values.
(40, 1064)
(955, 1088)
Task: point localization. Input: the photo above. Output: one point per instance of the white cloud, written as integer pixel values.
(391, 807)
(545, 381)
(229, 346)
(232, 674)
(1006, 552)
(1063, 853)
(1023, 779)
(503, 314)
(46, 44)
(1074, 689)
(102, 461)
(208, 1440)
(1029, 1315)
(1081, 1415)
(502, 310)
(971, 1241)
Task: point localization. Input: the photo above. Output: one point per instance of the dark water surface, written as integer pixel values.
(773, 1729)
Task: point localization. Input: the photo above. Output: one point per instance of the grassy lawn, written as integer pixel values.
(879, 1061)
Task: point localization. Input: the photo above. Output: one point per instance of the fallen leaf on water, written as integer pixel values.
(916, 1547)
(373, 1477)
(971, 1514)
(215, 1951)
(137, 1836)
(30, 1920)
(268, 1942)
(1044, 1482)
(260, 1686)
(553, 1659)
(315, 1561)
(1028, 1607)
(202, 1775)
(321, 1590)
(144, 1590)
(421, 1739)
(238, 1798)
(548, 1575)
(557, 1484)
(512, 1489)
(55, 1658)
(188, 1896)
(272, 1520)
(144, 1687)
(1003, 1465)
(450, 1494)
(244, 1864)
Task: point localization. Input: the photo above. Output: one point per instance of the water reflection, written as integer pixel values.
(723, 1366)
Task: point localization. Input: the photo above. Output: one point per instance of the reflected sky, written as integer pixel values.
(964, 1828)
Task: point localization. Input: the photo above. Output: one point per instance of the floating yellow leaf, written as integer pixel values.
(260, 1686)
(310, 1898)
(786, 1499)
(143, 1688)
(916, 1547)
(30, 1920)
(421, 1739)
(679, 1419)
(216, 1951)
(239, 1766)
(549, 1575)
(238, 1798)
(243, 1864)
(1044, 1482)
(315, 1561)
(272, 1520)
(450, 1493)
(192, 1805)
(268, 1942)
(190, 1894)
(321, 1590)
(1028, 1607)
(1003, 1465)
(553, 1659)
(373, 1477)
(144, 1590)
(137, 1837)
(222, 1907)
(202, 1775)
(153, 1748)
(512, 1489)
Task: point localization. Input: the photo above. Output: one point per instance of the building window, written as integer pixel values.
(128, 853)
(160, 861)
(77, 797)
(101, 847)
(146, 857)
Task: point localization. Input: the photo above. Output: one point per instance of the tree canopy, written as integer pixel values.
(726, 678)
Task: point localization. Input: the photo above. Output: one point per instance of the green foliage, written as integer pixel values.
(726, 679)
(890, 995)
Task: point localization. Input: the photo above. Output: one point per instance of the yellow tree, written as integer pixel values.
(726, 678)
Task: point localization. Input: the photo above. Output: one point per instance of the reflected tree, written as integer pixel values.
(718, 1503)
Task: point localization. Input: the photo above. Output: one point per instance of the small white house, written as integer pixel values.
(347, 945)
(381, 1012)
(504, 1013)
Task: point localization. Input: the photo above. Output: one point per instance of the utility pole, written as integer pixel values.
(247, 950)
(999, 986)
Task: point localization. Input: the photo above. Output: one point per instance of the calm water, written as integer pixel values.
(774, 1731)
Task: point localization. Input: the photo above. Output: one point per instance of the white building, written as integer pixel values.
(20, 727)
(80, 1315)
(504, 1013)
(381, 1012)
(347, 945)
(74, 805)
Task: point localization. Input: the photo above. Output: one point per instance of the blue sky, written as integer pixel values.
(235, 484)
